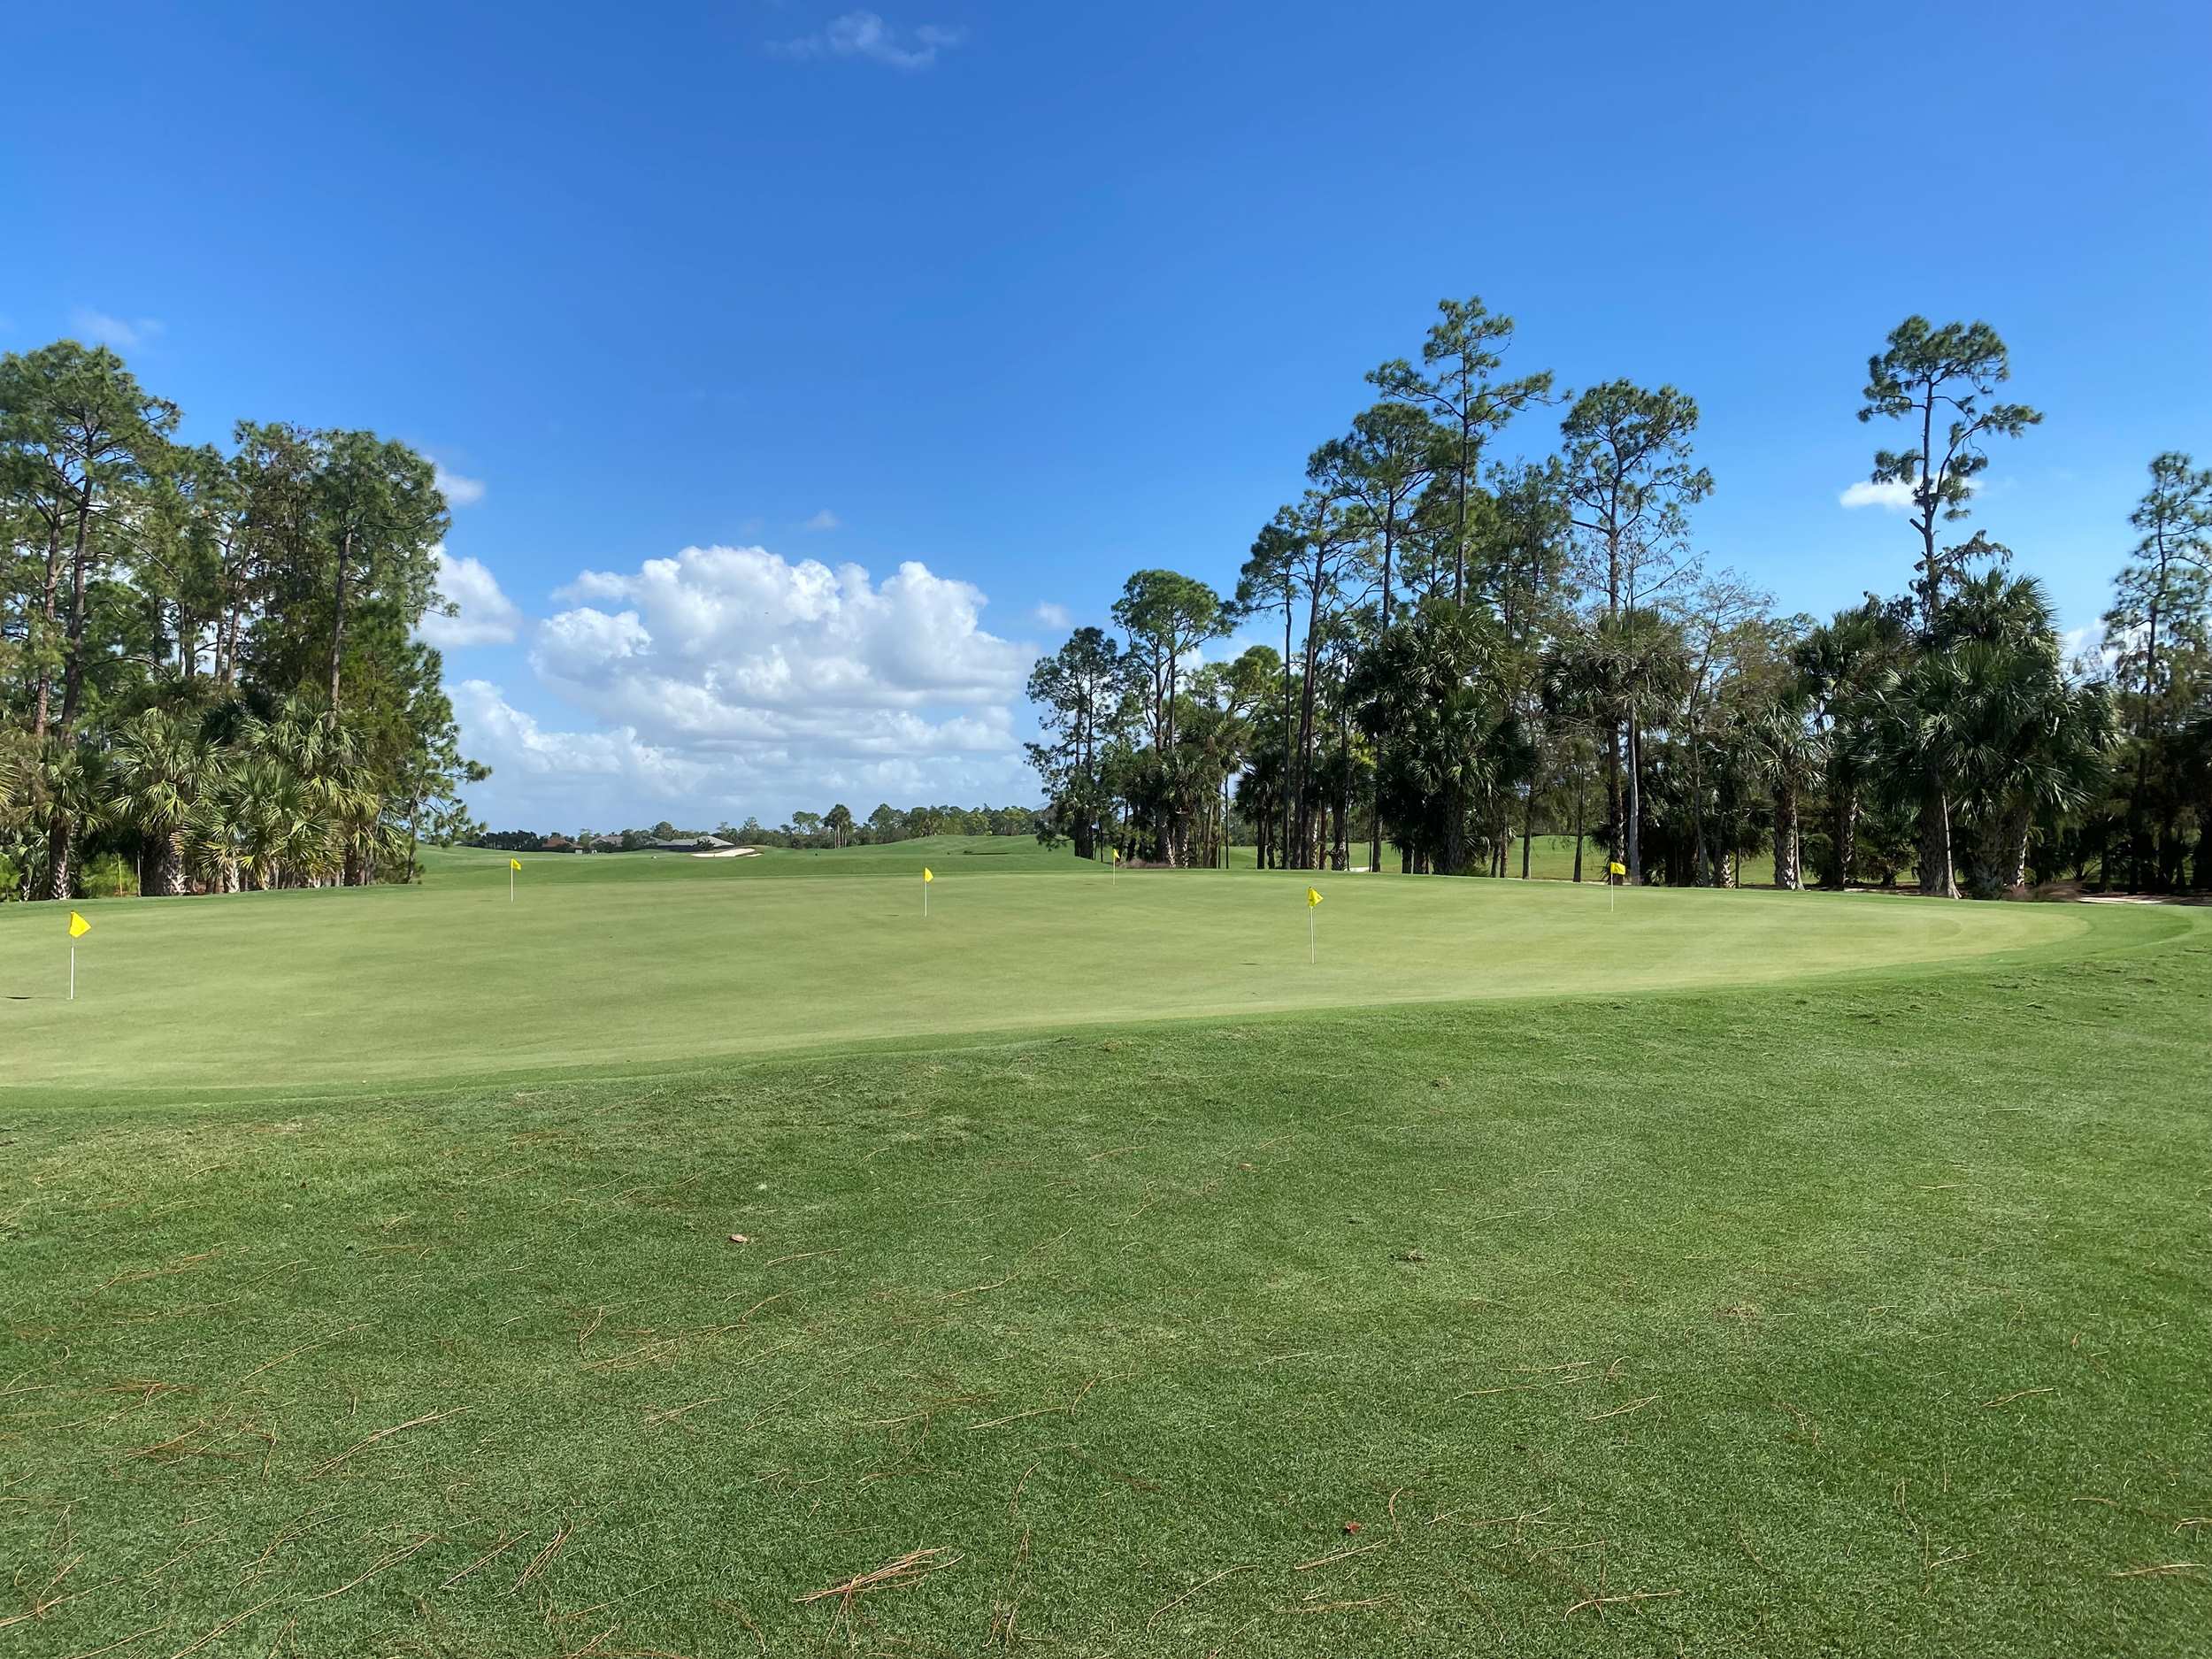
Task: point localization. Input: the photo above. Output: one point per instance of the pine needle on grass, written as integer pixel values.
(1168, 1606)
(1322, 1560)
(538, 1560)
(383, 1435)
(909, 1569)
(1604, 1601)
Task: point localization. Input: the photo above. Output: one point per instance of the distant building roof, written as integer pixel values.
(689, 844)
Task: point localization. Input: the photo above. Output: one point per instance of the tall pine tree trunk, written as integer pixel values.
(1634, 856)
(338, 621)
(73, 675)
(50, 586)
(1613, 789)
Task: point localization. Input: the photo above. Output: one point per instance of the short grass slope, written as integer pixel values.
(1857, 1313)
(609, 962)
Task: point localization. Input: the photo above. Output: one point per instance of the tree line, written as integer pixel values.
(1477, 651)
(209, 678)
(837, 827)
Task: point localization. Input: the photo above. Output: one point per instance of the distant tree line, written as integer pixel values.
(1476, 651)
(837, 827)
(209, 673)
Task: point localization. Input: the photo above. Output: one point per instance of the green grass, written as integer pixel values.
(612, 963)
(1836, 1284)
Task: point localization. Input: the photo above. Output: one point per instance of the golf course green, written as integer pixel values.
(612, 962)
(702, 1257)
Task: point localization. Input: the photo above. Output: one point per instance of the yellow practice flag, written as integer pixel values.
(1113, 855)
(78, 926)
(929, 874)
(514, 864)
(1313, 898)
(1617, 869)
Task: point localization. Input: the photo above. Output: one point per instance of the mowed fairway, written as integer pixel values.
(1743, 1273)
(612, 963)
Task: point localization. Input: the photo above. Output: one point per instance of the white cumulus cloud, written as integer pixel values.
(457, 490)
(483, 614)
(1893, 496)
(750, 682)
(1890, 497)
(1048, 615)
(823, 520)
(743, 627)
(551, 770)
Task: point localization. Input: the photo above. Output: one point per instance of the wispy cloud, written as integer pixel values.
(103, 330)
(824, 520)
(457, 490)
(866, 37)
(1048, 615)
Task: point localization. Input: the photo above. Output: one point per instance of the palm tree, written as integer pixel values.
(1450, 750)
(1844, 666)
(16, 815)
(1985, 732)
(69, 792)
(1787, 756)
(280, 838)
(215, 842)
(334, 788)
(2035, 746)
(161, 768)
(1260, 798)
(1923, 728)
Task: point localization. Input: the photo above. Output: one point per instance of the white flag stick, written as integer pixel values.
(73, 974)
(1310, 948)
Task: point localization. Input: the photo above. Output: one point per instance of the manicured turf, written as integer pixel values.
(1860, 1312)
(606, 963)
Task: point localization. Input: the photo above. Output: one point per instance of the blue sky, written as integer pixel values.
(1030, 295)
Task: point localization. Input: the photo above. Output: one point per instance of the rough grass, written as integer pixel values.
(1862, 1315)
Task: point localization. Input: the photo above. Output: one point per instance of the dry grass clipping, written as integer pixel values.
(906, 1569)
